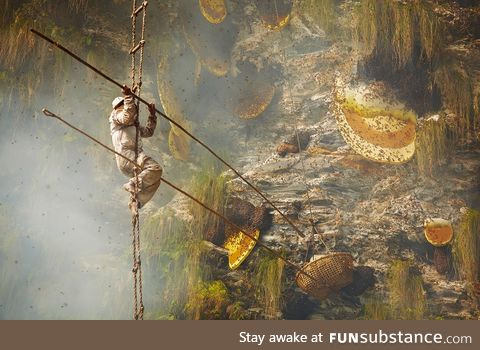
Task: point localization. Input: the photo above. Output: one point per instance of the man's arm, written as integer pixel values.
(149, 129)
(129, 114)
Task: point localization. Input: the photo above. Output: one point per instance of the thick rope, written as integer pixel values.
(304, 176)
(139, 85)
(142, 55)
(136, 85)
(134, 35)
(134, 268)
(134, 199)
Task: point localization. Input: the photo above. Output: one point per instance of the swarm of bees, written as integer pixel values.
(214, 11)
(210, 33)
(381, 137)
(253, 90)
(179, 144)
(178, 141)
(254, 101)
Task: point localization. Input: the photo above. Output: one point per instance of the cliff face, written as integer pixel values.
(264, 90)
(374, 211)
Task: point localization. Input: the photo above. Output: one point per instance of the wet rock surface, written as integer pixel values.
(363, 279)
(371, 210)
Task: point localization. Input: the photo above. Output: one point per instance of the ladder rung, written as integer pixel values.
(137, 86)
(140, 9)
(136, 48)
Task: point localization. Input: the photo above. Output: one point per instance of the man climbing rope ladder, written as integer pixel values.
(123, 121)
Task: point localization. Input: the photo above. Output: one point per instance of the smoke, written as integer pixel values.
(64, 228)
(65, 234)
(65, 246)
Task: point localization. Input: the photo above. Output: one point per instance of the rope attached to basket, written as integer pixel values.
(330, 272)
(302, 162)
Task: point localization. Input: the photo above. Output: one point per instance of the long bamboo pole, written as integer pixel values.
(213, 211)
(76, 57)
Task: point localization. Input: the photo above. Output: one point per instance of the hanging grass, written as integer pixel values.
(365, 31)
(78, 6)
(174, 256)
(269, 279)
(209, 301)
(432, 31)
(402, 38)
(174, 250)
(375, 309)
(466, 249)
(433, 145)
(406, 293)
(388, 32)
(32, 66)
(460, 89)
(209, 186)
(391, 29)
(322, 12)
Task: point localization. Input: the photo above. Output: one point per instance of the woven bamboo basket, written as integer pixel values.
(330, 273)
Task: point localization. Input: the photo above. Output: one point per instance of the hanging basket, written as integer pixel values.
(330, 273)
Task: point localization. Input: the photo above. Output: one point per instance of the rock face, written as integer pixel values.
(363, 279)
(441, 259)
(294, 143)
(373, 211)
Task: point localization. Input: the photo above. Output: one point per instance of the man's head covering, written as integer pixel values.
(117, 102)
